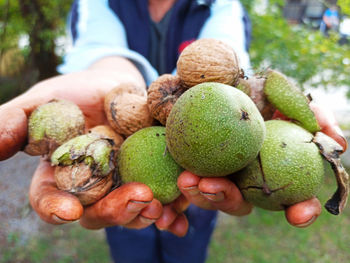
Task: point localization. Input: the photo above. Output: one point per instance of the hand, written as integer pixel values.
(222, 194)
(86, 88)
(131, 205)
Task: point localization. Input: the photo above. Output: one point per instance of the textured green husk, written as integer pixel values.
(289, 100)
(91, 149)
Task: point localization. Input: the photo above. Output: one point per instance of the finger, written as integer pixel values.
(52, 205)
(168, 217)
(180, 204)
(172, 221)
(304, 213)
(119, 207)
(180, 226)
(13, 131)
(224, 195)
(171, 212)
(147, 216)
(188, 185)
(213, 193)
(329, 124)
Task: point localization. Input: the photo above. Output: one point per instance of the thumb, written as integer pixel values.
(13, 131)
(14, 119)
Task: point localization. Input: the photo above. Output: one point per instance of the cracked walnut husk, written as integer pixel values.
(85, 167)
(162, 95)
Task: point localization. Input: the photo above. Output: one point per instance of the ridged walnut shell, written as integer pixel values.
(208, 60)
(85, 167)
(162, 95)
(127, 112)
(78, 179)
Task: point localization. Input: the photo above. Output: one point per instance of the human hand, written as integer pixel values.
(131, 205)
(222, 194)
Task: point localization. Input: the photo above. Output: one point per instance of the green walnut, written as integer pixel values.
(52, 124)
(214, 130)
(84, 166)
(290, 169)
(143, 157)
(289, 100)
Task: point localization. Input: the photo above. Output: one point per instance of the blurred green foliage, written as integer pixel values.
(28, 33)
(301, 53)
(298, 51)
(345, 6)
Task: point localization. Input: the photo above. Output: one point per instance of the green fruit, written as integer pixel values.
(214, 130)
(288, 170)
(143, 157)
(52, 124)
(289, 100)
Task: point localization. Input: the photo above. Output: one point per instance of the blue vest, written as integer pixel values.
(187, 19)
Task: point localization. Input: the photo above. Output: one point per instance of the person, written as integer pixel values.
(330, 20)
(344, 30)
(135, 41)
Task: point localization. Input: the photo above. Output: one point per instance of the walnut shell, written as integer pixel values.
(127, 112)
(208, 60)
(78, 179)
(162, 95)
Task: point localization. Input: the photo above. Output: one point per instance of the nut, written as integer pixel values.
(85, 167)
(208, 60)
(162, 94)
(127, 112)
(52, 124)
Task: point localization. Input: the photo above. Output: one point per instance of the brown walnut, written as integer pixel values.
(126, 109)
(85, 167)
(162, 95)
(208, 60)
(78, 179)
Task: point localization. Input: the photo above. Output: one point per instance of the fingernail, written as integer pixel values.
(192, 190)
(214, 197)
(341, 134)
(313, 218)
(339, 131)
(136, 206)
(60, 220)
(147, 221)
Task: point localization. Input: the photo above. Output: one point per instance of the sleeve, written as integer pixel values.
(226, 23)
(98, 33)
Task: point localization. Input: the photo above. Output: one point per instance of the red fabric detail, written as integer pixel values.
(184, 44)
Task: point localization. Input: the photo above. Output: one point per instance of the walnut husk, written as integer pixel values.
(52, 124)
(208, 60)
(162, 95)
(126, 111)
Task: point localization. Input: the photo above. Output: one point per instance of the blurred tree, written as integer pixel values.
(41, 22)
(344, 6)
(299, 52)
(28, 33)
